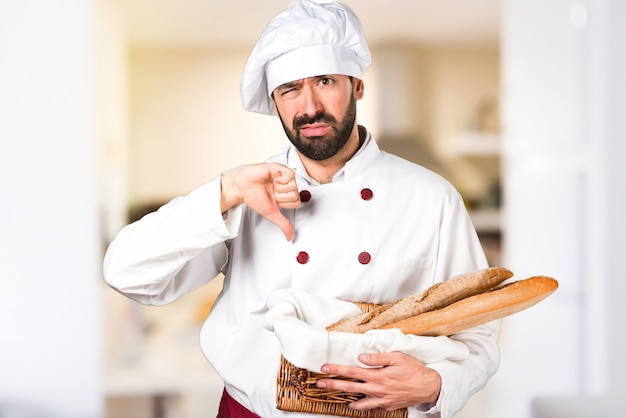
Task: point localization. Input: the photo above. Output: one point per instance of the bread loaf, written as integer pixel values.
(435, 297)
(479, 309)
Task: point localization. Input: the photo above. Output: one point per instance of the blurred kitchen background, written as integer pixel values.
(109, 108)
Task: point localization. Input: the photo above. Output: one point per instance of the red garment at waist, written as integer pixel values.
(230, 408)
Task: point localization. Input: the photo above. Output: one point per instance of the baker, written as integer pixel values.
(333, 215)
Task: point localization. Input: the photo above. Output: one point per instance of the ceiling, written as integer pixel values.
(240, 22)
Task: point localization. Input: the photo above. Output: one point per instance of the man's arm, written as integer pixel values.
(180, 247)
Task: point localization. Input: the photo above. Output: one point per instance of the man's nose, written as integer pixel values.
(311, 101)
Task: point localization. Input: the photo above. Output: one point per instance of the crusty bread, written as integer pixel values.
(479, 309)
(435, 297)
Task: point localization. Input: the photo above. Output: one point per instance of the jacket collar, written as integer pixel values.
(359, 162)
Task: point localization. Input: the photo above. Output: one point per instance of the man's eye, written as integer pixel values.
(326, 81)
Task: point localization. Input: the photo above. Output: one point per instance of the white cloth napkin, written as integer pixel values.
(299, 320)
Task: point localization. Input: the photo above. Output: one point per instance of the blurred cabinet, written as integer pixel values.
(481, 149)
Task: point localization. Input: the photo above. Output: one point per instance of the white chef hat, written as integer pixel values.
(305, 40)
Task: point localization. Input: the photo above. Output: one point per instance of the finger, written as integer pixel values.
(350, 372)
(282, 174)
(378, 359)
(290, 187)
(341, 385)
(285, 187)
(288, 199)
(370, 401)
(367, 404)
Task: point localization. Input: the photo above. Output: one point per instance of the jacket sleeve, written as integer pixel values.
(460, 251)
(174, 250)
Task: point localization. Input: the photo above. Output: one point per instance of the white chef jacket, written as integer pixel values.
(383, 229)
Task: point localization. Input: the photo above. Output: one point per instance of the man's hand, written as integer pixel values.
(263, 188)
(397, 381)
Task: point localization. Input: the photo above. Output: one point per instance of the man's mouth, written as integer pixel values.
(315, 130)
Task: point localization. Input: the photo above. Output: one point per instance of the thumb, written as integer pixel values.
(283, 223)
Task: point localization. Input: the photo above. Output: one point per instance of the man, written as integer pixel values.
(333, 216)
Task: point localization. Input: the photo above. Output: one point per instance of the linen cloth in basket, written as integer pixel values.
(299, 319)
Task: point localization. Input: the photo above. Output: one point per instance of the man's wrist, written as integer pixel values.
(435, 380)
(229, 196)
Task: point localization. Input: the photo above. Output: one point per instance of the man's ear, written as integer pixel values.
(359, 88)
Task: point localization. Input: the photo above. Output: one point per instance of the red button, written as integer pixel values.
(364, 258)
(367, 194)
(305, 196)
(302, 257)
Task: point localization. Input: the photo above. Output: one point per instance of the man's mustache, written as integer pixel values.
(300, 121)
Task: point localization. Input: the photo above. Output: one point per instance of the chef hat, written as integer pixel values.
(305, 40)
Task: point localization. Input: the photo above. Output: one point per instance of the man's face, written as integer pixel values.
(318, 113)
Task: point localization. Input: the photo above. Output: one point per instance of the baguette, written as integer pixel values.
(435, 297)
(479, 309)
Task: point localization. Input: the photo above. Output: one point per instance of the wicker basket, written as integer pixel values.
(297, 392)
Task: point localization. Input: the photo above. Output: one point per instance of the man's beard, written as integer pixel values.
(320, 148)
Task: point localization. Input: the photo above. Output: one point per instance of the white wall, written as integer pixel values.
(188, 124)
(50, 311)
(563, 101)
(610, 128)
(113, 96)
